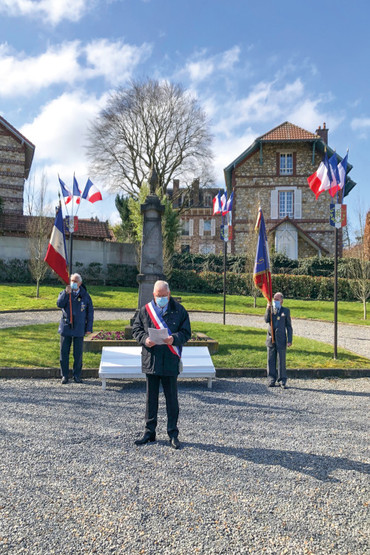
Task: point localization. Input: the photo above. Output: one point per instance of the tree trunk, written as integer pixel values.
(37, 289)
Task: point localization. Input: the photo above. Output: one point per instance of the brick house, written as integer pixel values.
(200, 229)
(16, 155)
(273, 173)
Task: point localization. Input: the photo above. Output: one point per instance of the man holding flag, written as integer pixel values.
(280, 331)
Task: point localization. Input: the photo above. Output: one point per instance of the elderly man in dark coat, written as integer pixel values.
(76, 321)
(161, 362)
(283, 337)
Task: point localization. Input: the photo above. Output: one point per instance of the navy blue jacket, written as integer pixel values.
(82, 312)
(159, 359)
(283, 331)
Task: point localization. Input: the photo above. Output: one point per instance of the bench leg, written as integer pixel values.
(209, 383)
(104, 384)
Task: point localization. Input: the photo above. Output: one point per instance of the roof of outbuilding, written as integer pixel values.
(16, 224)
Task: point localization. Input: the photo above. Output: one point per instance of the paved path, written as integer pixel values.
(352, 338)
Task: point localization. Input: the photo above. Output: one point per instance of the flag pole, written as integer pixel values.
(336, 294)
(225, 254)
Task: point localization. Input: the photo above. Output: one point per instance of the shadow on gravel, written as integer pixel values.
(231, 402)
(334, 391)
(318, 466)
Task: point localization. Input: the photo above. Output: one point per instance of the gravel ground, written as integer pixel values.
(261, 470)
(352, 338)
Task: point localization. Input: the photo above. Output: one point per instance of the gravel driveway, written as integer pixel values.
(352, 338)
(262, 470)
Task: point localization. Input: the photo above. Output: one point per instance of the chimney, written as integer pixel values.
(175, 192)
(323, 133)
(195, 192)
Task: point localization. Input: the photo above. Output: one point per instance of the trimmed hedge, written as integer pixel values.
(298, 287)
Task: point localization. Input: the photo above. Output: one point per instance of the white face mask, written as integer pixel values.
(276, 304)
(74, 286)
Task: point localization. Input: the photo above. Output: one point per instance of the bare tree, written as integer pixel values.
(38, 229)
(359, 272)
(155, 125)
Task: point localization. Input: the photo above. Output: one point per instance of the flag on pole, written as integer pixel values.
(341, 176)
(76, 191)
(217, 204)
(223, 203)
(229, 204)
(56, 255)
(320, 180)
(65, 191)
(333, 163)
(262, 272)
(91, 192)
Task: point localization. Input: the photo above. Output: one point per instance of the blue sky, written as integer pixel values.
(252, 65)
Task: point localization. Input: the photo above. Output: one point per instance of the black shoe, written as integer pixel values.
(174, 443)
(64, 380)
(271, 384)
(147, 438)
(78, 380)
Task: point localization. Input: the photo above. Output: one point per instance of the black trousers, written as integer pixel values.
(169, 384)
(276, 357)
(65, 347)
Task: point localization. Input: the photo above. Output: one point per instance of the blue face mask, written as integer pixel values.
(161, 301)
(74, 286)
(276, 304)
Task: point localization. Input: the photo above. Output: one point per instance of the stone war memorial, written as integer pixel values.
(122, 358)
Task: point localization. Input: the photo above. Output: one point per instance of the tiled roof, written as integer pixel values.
(288, 132)
(16, 224)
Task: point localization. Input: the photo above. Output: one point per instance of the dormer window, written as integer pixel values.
(286, 164)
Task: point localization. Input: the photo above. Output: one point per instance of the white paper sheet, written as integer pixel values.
(157, 336)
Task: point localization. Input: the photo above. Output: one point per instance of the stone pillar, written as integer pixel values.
(151, 263)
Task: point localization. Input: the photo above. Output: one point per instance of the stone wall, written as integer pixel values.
(86, 252)
(254, 183)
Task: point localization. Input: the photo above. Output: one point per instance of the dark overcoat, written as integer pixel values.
(159, 359)
(82, 312)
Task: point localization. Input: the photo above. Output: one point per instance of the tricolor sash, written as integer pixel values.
(159, 323)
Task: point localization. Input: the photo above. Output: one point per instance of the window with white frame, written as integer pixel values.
(207, 228)
(286, 164)
(286, 199)
(207, 200)
(187, 227)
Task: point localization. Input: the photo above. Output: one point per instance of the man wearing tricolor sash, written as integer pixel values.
(161, 361)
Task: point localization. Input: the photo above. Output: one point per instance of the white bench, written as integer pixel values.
(124, 363)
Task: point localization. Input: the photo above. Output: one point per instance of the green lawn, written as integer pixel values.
(38, 346)
(22, 297)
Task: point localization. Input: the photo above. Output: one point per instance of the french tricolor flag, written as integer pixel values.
(91, 192)
(56, 255)
(217, 204)
(65, 191)
(321, 180)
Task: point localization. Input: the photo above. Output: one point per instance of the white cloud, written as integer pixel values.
(59, 131)
(68, 63)
(51, 11)
(115, 61)
(360, 123)
(200, 67)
